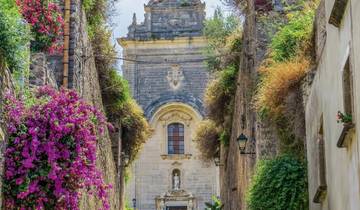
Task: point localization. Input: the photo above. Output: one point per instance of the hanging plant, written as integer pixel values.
(46, 24)
(50, 157)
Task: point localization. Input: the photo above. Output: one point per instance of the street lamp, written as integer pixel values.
(242, 140)
(134, 203)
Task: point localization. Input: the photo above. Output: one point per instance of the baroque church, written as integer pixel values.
(164, 65)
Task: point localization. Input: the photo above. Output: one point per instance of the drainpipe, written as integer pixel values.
(66, 44)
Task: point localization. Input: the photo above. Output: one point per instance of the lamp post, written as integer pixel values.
(242, 141)
(134, 203)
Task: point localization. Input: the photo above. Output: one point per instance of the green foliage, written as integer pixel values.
(121, 109)
(96, 14)
(14, 37)
(216, 205)
(128, 206)
(296, 34)
(219, 95)
(225, 137)
(279, 184)
(207, 139)
(217, 30)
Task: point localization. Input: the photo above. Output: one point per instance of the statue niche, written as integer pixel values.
(176, 181)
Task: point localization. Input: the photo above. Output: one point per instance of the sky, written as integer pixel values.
(124, 10)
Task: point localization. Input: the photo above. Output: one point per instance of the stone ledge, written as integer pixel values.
(320, 194)
(337, 12)
(347, 129)
(176, 156)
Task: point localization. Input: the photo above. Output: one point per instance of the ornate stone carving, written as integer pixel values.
(175, 76)
(176, 116)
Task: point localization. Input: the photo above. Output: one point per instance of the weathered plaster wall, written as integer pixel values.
(325, 99)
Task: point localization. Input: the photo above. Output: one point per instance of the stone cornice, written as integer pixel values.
(159, 43)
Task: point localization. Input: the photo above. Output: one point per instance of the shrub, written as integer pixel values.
(207, 139)
(216, 205)
(121, 108)
(217, 30)
(292, 37)
(51, 151)
(14, 37)
(46, 24)
(219, 94)
(276, 82)
(136, 129)
(278, 184)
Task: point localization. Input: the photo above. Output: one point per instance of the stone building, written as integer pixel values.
(164, 65)
(332, 147)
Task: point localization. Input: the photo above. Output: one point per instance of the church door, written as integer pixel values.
(176, 208)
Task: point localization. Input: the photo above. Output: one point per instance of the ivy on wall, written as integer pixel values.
(279, 184)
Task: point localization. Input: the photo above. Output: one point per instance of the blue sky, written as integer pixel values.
(124, 10)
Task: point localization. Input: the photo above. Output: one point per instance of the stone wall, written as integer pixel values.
(83, 77)
(6, 83)
(262, 135)
(40, 71)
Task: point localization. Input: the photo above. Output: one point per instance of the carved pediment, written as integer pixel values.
(176, 116)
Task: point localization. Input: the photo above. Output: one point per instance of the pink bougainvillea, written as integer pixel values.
(50, 157)
(46, 22)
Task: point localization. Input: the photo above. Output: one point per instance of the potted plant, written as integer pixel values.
(344, 118)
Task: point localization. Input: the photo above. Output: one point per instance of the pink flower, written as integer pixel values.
(56, 141)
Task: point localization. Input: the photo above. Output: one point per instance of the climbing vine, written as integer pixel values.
(46, 24)
(278, 184)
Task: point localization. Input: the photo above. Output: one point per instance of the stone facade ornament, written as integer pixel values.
(175, 76)
(176, 116)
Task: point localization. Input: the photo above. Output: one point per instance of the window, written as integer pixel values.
(348, 88)
(322, 186)
(176, 138)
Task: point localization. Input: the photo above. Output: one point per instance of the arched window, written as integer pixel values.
(176, 138)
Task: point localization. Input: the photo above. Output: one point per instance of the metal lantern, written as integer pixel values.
(242, 140)
(134, 203)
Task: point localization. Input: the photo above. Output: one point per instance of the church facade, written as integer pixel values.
(164, 65)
